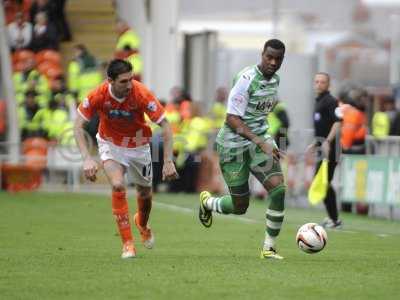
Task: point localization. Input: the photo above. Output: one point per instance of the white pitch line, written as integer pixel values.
(383, 235)
(242, 219)
(191, 211)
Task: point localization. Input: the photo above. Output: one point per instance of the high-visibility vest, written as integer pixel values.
(273, 121)
(380, 124)
(137, 63)
(128, 38)
(197, 134)
(353, 129)
(82, 82)
(218, 111)
(21, 85)
(51, 121)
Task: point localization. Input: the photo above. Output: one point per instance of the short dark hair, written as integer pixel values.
(117, 67)
(275, 44)
(324, 74)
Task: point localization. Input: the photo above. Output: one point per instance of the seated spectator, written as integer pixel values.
(26, 112)
(30, 79)
(52, 120)
(19, 33)
(44, 34)
(62, 95)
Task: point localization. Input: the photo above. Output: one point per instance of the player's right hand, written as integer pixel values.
(90, 167)
(270, 149)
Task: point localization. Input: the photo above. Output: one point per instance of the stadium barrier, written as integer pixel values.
(37, 160)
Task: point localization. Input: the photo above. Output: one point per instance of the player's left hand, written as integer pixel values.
(169, 172)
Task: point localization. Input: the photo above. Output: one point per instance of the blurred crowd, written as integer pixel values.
(47, 96)
(46, 93)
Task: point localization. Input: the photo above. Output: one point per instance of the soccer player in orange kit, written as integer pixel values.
(123, 141)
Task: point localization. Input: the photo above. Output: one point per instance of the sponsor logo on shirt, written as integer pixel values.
(86, 103)
(120, 114)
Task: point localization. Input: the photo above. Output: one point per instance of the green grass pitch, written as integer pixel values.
(64, 246)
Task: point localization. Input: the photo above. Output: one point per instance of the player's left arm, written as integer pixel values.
(156, 113)
(169, 170)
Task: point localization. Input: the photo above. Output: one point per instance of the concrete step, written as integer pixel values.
(92, 23)
(89, 5)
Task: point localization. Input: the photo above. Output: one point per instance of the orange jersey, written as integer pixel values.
(353, 126)
(122, 121)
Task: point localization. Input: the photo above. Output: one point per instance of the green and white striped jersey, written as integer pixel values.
(252, 97)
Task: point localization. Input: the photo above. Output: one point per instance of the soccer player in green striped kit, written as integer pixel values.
(244, 146)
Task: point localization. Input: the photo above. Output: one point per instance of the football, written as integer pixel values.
(311, 238)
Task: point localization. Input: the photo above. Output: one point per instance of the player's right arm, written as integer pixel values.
(237, 104)
(85, 111)
(90, 166)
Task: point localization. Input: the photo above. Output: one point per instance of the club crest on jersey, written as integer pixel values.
(120, 114)
(86, 103)
(238, 99)
(152, 106)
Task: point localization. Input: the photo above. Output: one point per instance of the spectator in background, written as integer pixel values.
(381, 120)
(13, 7)
(26, 112)
(29, 79)
(278, 121)
(353, 130)
(395, 128)
(126, 37)
(19, 33)
(44, 34)
(63, 96)
(61, 20)
(134, 57)
(83, 73)
(52, 120)
(43, 6)
(218, 110)
(351, 111)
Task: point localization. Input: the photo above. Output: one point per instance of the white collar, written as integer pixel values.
(120, 100)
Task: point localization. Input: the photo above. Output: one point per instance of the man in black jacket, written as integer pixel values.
(326, 125)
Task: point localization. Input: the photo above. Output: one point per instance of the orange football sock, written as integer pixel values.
(121, 212)
(143, 210)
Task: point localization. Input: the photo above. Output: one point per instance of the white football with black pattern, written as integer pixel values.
(311, 238)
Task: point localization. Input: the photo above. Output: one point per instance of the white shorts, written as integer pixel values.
(137, 161)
